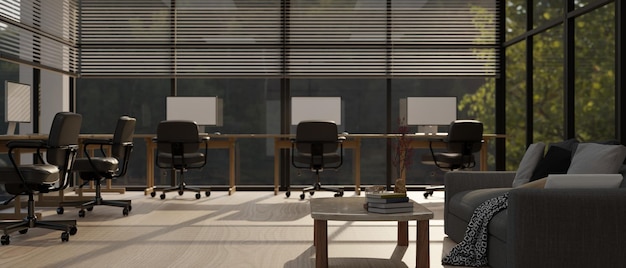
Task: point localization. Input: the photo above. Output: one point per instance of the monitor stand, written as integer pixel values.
(428, 130)
(11, 128)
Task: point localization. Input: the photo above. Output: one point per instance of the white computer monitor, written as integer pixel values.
(428, 113)
(315, 108)
(205, 111)
(17, 106)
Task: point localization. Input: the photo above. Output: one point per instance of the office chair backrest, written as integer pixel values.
(64, 131)
(465, 136)
(181, 132)
(312, 135)
(124, 132)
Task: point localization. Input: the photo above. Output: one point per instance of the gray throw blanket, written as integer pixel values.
(472, 251)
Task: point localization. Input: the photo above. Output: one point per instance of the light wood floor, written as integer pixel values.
(246, 229)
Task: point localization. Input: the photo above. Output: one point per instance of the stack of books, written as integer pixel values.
(388, 202)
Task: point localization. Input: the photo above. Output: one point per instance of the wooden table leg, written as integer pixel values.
(403, 233)
(423, 253)
(320, 231)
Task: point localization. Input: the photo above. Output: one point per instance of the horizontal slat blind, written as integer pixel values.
(129, 38)
(269, 38)
(229, 38)
(444, 38)
(40, 33)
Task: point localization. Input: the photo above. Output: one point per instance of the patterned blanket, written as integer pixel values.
(472, 251)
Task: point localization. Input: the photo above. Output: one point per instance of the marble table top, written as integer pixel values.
(352, 209)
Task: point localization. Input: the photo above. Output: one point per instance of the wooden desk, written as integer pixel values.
(351, 209)
(353, 141)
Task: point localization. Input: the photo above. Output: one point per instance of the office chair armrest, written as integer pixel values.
(97, 141)
(100, 142)
(26, 144)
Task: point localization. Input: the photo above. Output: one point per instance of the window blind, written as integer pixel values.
(40, 33)
(272, 38)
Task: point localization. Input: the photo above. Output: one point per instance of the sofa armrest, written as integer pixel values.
(459, 181)
(566, 228)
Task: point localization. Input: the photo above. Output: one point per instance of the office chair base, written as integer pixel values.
(181, 190)
(317, 187)
(97, 201)
(431, 190)
(124, 204)
(67, 226)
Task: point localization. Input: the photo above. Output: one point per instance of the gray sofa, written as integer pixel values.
(541, 227)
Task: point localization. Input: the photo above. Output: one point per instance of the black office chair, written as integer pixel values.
(465, 137)
(317, 146)
(96, 169)
(178, 144)
(50, 173)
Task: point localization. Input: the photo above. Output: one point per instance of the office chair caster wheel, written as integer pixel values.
(81, 213)
(24, 231)
(130, 208)
(5, 240)
(73, 230)
(152, 194)
(207, 193)
(65, 236)
(198, 195)
(90, 209)
(426, 194)
(125, 212)
(339, 194)
(311, 193)
(180, 192)
(302, 197)
(162, 196)
(288, 194)
(60, 210)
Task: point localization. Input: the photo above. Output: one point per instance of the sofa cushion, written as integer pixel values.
(464, 203)
(531, 157)
(556, 161)
(594, 158)
(584, 181)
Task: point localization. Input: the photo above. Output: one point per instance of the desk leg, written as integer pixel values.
(484, 156)
(231, 166)
(320, 231)
(357, 166)
(422, 255)
(276, 166)
(149, 166)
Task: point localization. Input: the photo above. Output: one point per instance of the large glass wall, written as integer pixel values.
(102, 101)
(548, 86)
(255, 55)
(364, 111)
(572, 43)
(595, 75)
(515, 103)
(8, 72)
(475, 100)
(250, 106)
